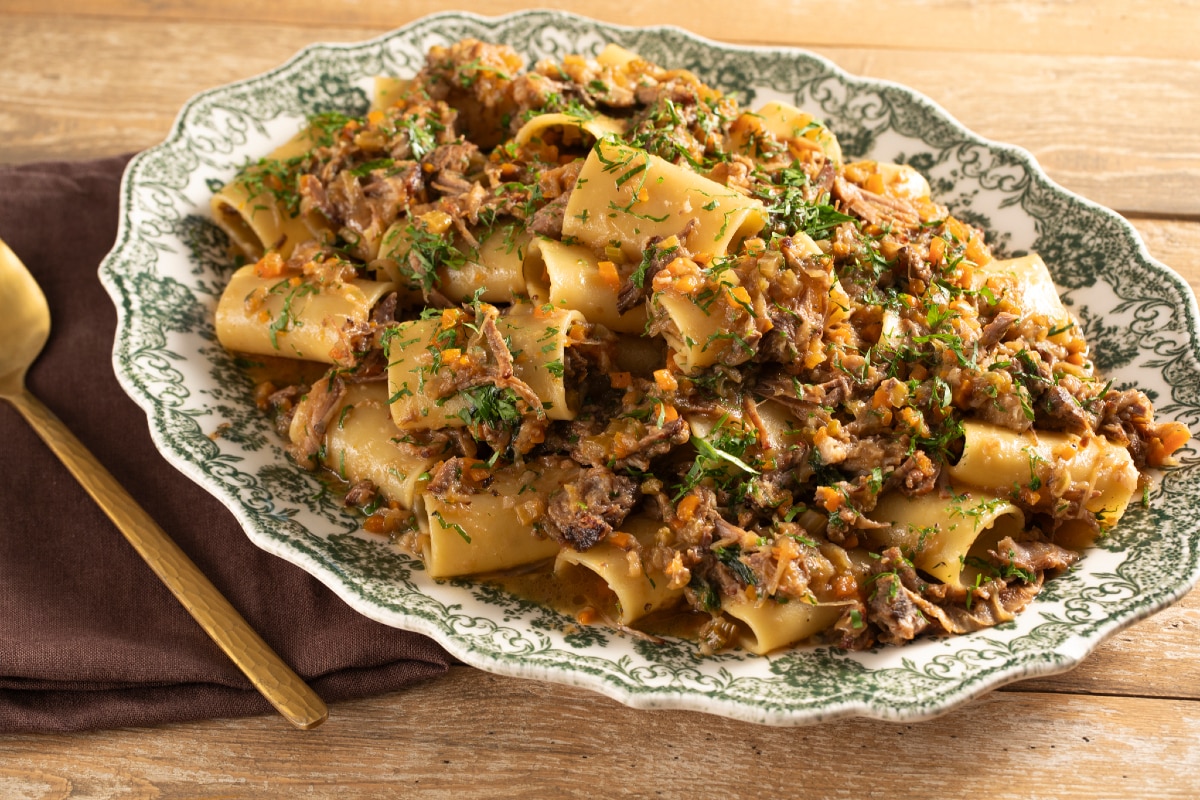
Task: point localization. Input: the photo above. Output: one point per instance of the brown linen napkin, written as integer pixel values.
(89, 638)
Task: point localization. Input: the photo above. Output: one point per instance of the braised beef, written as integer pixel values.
(586, 510)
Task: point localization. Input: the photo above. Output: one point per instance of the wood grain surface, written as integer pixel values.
(1105, 94)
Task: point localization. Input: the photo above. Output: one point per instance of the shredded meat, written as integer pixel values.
(361, 493)
(586, 510)
(869, 453)
(474, 78)
(1032, 557)
(654, 259)
(908, 266)
(902, 606)
(548, 220)
(876, 209)
(994, 331)
(656, 442)
(917, 475)
(452, 481)
(312, 417)
(1060, 410)
(897, 610)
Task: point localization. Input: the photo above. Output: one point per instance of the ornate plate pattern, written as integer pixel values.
(169, 266)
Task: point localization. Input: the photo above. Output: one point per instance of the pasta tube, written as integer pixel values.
(769, 625)
(495, 529)
(999, 459)
(707, 311)
(627, 195)
(568, 129)
(937, 533)
(496, 267)
(799, 130)
(364, 444)
(253, 210)
(425, 358)
(292, 317)
(635, 590)
(570, 276)
(1027, 284)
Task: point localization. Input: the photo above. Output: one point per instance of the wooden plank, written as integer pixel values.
(1157, 657)
(1145, 28)
(503, 733)
(1176, 244)
(53, 105)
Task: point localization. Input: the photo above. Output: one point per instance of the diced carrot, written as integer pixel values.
(977, 252)
(621, 539)
(620, 380)
(610, 276)
(1173, 436)
(937, 250)
(845, 586)
(270, 266)
(966, 274)
(377, 524)
(815, 354)
(913, 419)
(740, 295)
(829, 498)
(665, 380)
(687, 507)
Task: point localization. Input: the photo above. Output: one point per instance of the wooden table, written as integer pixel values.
(1105, 94)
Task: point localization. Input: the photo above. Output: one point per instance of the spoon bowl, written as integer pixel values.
(24, 329)
(24, 322)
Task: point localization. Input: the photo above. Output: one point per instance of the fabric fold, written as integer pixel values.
(89, 638)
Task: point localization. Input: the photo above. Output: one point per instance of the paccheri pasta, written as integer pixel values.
(593, 323)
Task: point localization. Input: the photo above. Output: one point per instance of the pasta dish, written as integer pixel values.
(592, 327)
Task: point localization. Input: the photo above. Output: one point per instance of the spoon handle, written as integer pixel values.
(266, 670)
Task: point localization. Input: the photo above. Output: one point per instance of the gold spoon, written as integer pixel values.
(24, 328)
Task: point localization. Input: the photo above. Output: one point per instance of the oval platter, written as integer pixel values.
(170, 264)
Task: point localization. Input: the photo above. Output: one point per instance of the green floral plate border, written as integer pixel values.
(169, 265)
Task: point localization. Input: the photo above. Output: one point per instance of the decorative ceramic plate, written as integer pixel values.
(170, 264)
